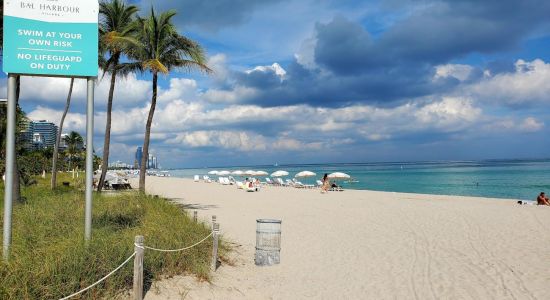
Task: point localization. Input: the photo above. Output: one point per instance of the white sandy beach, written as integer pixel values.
(368, 245)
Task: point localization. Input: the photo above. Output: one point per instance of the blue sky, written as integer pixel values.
(317, 81)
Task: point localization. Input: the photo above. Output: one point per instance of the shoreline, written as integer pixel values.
(369, 244)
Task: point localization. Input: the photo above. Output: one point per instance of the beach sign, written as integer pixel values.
(51, 37)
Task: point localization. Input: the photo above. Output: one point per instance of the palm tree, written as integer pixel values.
(116, 31)
(58, 139)
(161, 50)
(74, 142)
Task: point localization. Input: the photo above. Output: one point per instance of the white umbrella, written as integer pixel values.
(237, 173)
(224, 173)
(260, 173)
(213, 172)
(279, 173)
(249, 172)
(305, 174)
(338, 175)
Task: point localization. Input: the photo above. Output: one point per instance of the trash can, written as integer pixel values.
(268, 242)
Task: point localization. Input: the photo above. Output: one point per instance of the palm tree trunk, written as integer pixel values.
(58, 138)
(107, 141)
(143, 168)
(16, 174)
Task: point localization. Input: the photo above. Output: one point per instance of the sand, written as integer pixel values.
(368, 245)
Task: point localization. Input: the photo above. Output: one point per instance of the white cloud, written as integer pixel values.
(129, 90)
(243, 141)
(448, 114)
(217, 63)
(531, 124)
(460, 72)
(236, 95)
(528, 84)
(180, 88)
(275, 68)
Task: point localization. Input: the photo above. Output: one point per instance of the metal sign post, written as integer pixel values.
(49, 38)
(10, 162)
(89, 159)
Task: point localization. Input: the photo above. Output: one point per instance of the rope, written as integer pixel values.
(97, 282)
(174, 250)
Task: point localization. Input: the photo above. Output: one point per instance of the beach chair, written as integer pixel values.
(337, 188)
(319, 183)
(268, 181)
(289, 182)
(206, 179)
(239, 185)
(280, 182)
(196, 178)
(297, 184)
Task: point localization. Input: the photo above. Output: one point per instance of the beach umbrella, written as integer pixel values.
(249, 172)
(279, 173)
(305, 174)
(213, 172)
(261, 173)
(223, 173)
(338, 175)
(237, 173)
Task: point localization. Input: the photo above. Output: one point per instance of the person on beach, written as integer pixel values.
(326, 184)
(542, 199)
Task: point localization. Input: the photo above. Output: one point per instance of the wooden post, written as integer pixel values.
(213, 221)
(138, 268)
(216, 230)
(195, 216)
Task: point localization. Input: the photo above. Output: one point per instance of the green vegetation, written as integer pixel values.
(49, 258)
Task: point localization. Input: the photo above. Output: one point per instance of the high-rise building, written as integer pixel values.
(44, 133)
(138, 157)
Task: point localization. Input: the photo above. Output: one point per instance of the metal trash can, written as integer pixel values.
(268, 242)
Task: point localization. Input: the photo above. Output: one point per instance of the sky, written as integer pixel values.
(318, 81)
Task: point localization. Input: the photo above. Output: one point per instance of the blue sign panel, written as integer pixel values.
(44, 37)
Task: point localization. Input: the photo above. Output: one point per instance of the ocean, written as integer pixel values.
(510, 179)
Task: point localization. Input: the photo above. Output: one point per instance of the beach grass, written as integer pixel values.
(49, 258)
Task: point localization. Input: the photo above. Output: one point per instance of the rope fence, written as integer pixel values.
(138, 255)
(99, 281)
(175, 250)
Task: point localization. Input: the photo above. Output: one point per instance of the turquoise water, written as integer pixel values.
(512, 179)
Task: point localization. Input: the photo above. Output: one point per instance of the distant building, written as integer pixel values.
(36, 135)
(138, 157)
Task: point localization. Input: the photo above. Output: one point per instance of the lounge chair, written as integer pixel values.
(280, 182)
(239, 185)
(297, 184)
(268, 181)
(336, 188)
(196, 178)
(319, 183)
